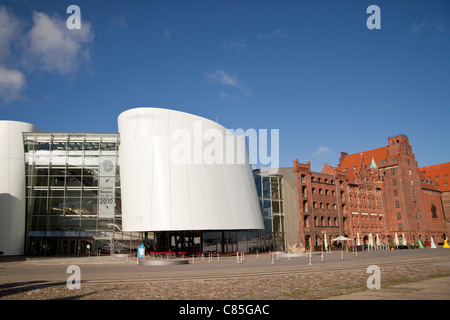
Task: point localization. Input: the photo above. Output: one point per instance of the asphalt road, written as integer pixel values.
(325, 275)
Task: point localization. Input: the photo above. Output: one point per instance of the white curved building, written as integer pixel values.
(181, 172)
(171, 180)
(12, 186)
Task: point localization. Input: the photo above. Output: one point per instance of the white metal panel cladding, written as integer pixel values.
(12, 186)
(169, 181)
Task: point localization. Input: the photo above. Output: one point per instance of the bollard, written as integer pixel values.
(321, 257)
(218, 259)
(272, 260)
(309, 264)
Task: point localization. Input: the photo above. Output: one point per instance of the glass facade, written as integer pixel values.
(73, 195)
(74, 204)
(270, 194)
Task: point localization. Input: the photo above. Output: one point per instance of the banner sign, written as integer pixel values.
(106, 187)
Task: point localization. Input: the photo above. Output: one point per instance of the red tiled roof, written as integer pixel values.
(351, 175)
(439, 170)
(352, 160)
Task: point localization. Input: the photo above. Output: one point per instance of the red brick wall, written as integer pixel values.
(429, 225)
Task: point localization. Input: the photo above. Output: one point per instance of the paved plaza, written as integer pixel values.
(403, 274)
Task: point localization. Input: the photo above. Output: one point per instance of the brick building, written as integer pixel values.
(439, 174)
(323, 205)
(379, 193)
(410, 206)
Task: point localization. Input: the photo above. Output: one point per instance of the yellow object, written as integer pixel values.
(446, 244)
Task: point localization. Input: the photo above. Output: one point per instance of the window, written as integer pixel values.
(396, 193)
(446, 176)
(437, 177)
(433, 211)
(303, 178)
(382, 162)
(393, 171)
(394, 182)
(397, 204)
(400, 227)
(392, 159)
(306, 221)
(399, 216)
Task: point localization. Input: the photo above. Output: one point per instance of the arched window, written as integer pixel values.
(433, 211)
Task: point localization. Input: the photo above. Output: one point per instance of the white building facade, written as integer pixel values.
(172, 180)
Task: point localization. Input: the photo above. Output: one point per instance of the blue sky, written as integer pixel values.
(311, 69)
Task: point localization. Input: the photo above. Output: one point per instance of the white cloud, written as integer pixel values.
(12, 81)
(47, 45)
(236, 45)
(11, 84)
(322, 151)
(277, 33)
(9, 32)
(225, 79)
(51, 46)
(167, 34)
(417, 27)
(222, 77)
(223, 95)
